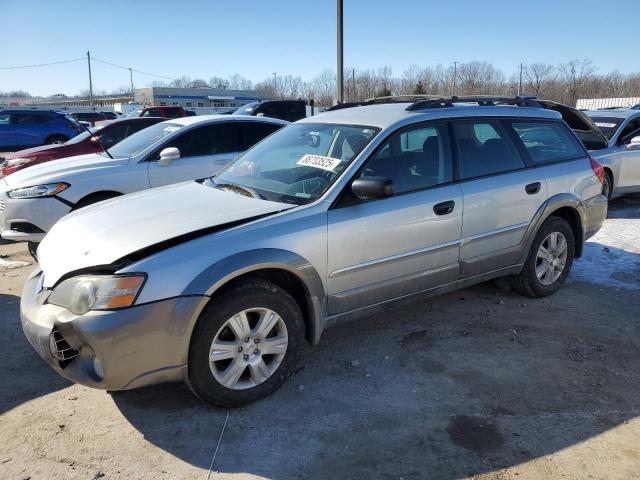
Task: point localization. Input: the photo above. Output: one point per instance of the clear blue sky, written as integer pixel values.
(256, 38)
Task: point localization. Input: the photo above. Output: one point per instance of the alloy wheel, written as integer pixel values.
(551, 258)
(248, 348)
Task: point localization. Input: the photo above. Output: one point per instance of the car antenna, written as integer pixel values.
(104, 148)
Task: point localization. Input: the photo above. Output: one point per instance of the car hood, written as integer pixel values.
(100, 234)
(61, 169)
(31, 152)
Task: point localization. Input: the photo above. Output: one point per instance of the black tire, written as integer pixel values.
(251, 293)
(33, 247)
(607, 186)
(55, 139)
(527, 282)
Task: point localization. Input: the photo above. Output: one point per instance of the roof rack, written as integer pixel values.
(481, 100)
(423, 102)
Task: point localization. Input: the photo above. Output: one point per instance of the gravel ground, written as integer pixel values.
(480, 383)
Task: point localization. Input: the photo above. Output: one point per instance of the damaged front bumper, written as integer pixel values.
(112, 350)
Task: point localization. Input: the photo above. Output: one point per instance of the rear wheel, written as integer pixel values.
(56, 139)
(549, 261)
(246, 344)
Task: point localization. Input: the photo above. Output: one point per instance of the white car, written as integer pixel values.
(34, 199)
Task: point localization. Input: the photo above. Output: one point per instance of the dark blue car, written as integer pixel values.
(29, 128)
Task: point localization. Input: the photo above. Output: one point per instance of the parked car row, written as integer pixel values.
(94, 140)
(219, 280)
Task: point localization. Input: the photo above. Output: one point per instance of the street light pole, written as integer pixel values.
(90, 81)
(340, 72)
(520, 82)
(131, 76)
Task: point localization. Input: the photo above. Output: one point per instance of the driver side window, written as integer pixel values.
(414, 159)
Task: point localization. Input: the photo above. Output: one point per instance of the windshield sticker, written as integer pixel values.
(605, 125)
(318, 161)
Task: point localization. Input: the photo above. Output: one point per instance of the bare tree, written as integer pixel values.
(538, 77)
(218, 83)
(575, 74)
(238, 82)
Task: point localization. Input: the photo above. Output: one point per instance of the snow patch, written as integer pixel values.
(612, 256)
(10, 264)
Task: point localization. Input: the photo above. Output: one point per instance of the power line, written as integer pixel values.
(128, 68)
(14, 67)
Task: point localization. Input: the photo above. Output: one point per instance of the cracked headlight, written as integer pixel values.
(38, 190)
(97, 292)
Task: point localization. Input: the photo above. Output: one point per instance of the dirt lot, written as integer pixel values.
(479, 383)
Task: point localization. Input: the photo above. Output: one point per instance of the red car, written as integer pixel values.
(96, 139)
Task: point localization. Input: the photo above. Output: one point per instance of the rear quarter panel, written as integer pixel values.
(574, 177)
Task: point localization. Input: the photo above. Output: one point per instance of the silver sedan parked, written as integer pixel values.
(621, 157)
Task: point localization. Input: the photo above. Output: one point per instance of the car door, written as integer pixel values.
(387, 248)
(204, 150)
(501, 194)
(628, 159)
(5, 129)
(27, 128)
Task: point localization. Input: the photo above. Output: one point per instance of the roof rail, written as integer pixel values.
(481, 100)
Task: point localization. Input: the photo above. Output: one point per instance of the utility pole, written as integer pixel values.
(353, 78)
(90, 81)
(520, 83)
(275, 84)
(455, 74)
(340, 69)
(131, 76)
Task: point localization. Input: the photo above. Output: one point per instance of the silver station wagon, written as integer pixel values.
(219, 282)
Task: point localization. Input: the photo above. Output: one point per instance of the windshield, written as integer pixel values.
(80, 137)
(298, 163)
(608, 125)
(134, 113)
(247, 109)
(143, 139)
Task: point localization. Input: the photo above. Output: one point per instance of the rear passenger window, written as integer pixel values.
(415, 159)
(484, 148)
(253, 132)
(547, 142)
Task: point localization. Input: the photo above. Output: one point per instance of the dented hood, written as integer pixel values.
(108, 231)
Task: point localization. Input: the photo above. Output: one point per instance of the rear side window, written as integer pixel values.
(28, 118)
(484, 148)
(252, 132)
(547, 142)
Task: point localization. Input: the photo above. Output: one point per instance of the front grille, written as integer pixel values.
(60, 349)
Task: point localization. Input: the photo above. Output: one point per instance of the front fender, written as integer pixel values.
(220, 273)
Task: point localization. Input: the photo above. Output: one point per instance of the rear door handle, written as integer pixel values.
(533, 188)
(444, 208)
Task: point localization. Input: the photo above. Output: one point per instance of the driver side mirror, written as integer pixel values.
(370, 188)
(634, 144)
(95, 142)
(168, 155)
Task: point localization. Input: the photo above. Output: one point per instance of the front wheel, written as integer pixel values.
(549, 261)
(246, 344)
(33, 248)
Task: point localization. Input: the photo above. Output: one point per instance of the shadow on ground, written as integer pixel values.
(462, 384)
(625, 207)
(23, 374)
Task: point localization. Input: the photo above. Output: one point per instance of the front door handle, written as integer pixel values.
(444, 208)
(533, 188)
